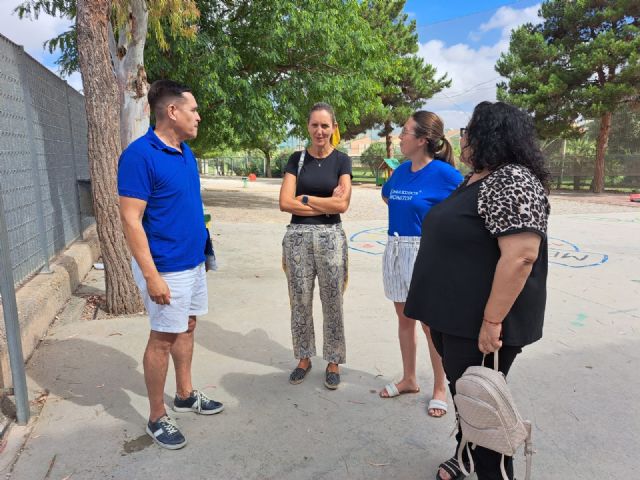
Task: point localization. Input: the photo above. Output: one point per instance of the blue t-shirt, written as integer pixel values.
(412, 194)
(169, 182)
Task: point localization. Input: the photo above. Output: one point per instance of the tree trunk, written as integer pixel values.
(128, 59)
(576, 182)
(388, 129)
(267, 164)
(103, 125)
(601, 149)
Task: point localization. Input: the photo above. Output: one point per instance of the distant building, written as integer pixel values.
(358, 145)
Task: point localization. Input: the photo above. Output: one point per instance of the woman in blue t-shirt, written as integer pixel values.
(415, 186)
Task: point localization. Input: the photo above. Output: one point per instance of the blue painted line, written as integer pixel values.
(366, 231)
(572, 245)
(364, 251)
(572, 250)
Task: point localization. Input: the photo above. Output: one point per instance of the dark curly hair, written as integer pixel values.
(500, 134)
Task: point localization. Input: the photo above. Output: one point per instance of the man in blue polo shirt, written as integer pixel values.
(161, 211)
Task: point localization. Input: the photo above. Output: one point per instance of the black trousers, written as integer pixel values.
(457, 354)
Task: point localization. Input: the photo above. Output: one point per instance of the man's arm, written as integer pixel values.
(131, 212)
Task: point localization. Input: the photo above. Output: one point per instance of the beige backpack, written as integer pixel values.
(488, 416)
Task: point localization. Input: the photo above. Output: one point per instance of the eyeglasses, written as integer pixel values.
(407, 132)
(463, 132)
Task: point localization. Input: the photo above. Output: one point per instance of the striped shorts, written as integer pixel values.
(397, 266)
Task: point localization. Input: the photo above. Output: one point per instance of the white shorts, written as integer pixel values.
(397, 266)
(188, 297)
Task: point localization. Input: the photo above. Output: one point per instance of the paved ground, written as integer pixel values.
(579, 385)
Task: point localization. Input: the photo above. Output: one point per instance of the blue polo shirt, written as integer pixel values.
(412, 194)
(168, 181)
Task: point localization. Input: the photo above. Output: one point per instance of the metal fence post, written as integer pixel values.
(34, 159)
(73, 155)
(12, 325)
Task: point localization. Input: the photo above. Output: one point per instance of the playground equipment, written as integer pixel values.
(385, 169)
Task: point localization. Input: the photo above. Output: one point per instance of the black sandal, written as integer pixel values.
(298, 374)
(331, 379)
(452, 467)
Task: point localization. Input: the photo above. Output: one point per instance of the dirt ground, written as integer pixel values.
(230, 201)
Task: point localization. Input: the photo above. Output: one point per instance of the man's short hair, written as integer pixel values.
(162, 92)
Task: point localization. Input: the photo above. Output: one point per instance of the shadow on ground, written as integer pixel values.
(238, 199)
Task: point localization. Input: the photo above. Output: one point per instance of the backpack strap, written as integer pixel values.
(528, 454)
(301, 162)
(503, 471)
(464, 444)
(528, 449)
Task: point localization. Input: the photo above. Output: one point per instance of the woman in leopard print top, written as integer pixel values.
(479, 280)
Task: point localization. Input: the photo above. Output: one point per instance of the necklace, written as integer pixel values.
(319, 160)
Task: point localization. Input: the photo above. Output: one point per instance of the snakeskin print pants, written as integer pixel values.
(309, 251)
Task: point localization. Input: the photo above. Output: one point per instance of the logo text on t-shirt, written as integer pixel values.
(403, 195)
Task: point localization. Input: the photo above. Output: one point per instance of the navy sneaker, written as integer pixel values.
(165, 433)
(197, 402)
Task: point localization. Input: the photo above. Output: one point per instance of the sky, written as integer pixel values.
(464, 39)
(461, 38)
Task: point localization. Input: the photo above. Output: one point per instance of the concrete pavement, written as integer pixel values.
(579, 385)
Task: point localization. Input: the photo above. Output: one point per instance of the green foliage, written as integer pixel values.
(257, 67)
(407, 81)
(581, 147)
(173, 18)
(625, 131)
(66, 41)
(277, 169)
(373, 156)
(582, 61)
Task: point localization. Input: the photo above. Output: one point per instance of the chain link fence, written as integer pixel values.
(572, 161)
(234, 165)
(43, 154)
(241, 166)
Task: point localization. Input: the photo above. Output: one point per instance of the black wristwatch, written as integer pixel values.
(305, 200)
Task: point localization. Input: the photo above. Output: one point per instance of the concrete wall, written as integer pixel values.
(42, 297)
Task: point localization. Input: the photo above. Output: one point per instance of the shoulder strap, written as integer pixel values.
(464, 445)
(528, 450)
(301, 162)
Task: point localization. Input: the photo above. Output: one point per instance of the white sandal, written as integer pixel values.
(392, 391)
(437, 405)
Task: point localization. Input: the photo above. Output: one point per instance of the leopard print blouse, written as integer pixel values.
(512, 200)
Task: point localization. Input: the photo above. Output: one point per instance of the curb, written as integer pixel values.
(42, 297)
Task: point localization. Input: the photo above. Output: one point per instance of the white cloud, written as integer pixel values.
(507, 18)
(452, 118)
(472, 69)
(31, 33)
